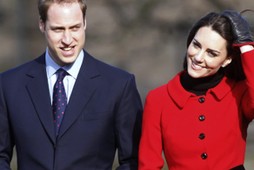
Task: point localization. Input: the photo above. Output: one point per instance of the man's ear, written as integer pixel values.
(227, 61)
(42, 26)
(85, 24)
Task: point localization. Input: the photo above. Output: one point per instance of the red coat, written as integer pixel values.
(198, 132)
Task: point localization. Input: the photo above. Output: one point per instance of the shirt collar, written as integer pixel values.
(73, 69)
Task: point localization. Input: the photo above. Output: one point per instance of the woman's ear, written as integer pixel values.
(227, 61)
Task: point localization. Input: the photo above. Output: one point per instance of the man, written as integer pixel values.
(103, 112)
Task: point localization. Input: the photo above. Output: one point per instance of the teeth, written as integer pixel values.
(197, 66)
(67, 49)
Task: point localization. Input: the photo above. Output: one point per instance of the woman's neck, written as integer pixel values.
(199, 86)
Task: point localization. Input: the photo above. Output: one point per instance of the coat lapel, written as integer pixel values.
(84, 88)
(39, 93)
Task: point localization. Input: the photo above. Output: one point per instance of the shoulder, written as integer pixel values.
(165, 89)
(158, 91)
(107, 70)
(167, 93)
(24, 70)
(157, 96)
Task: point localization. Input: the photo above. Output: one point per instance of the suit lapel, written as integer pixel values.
(83, 90)
(39, 93)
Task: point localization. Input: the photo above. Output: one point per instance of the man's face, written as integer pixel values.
(64, 31)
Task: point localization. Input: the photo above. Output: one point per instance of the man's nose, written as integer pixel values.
(67, 37)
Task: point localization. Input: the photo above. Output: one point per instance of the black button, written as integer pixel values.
(201, 117)
(201, 136)
(201, 100)
(204, 155)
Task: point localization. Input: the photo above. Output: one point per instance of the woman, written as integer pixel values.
(199, 119)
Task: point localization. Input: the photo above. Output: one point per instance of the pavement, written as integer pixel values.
(249, 159)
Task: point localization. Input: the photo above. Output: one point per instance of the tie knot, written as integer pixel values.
(61, 73)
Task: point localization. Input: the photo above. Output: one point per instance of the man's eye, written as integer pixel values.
(75, 28)
(57, 29)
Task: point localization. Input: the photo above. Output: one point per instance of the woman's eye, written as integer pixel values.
(211, 54)
(196, 45)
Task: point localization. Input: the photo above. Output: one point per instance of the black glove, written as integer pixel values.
(240, 28)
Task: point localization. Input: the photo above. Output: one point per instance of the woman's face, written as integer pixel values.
(207, 53)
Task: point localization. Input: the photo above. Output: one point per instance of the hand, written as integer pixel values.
(240, 28)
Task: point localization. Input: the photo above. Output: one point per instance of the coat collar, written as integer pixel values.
(38, 90)
(180, 96)
(85, 86)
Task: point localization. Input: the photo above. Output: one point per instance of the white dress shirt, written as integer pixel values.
(70, 78)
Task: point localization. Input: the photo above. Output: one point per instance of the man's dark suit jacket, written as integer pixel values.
(103, 115)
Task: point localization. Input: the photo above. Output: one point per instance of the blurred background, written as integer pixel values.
(144, 37)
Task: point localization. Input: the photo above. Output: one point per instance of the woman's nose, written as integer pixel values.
(199, 57)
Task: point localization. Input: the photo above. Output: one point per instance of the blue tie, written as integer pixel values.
(59, 99)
